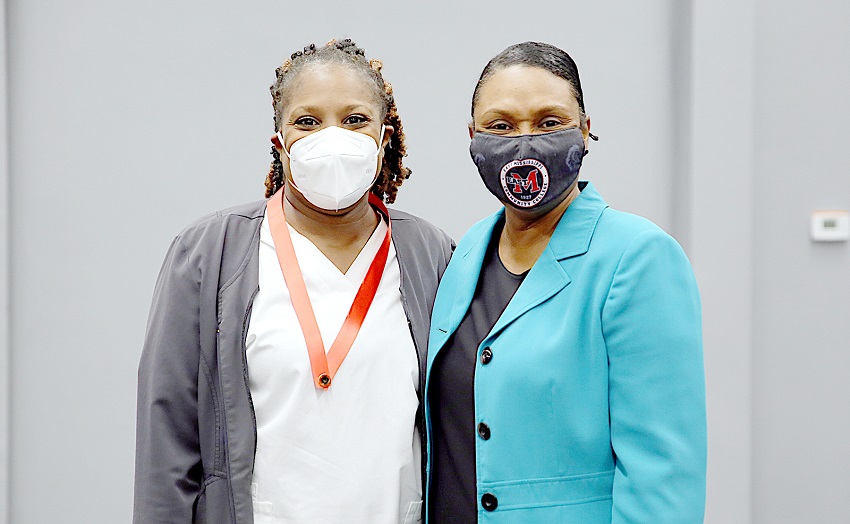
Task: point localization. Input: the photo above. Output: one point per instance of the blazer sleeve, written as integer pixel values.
(168, 463)
(652, 326)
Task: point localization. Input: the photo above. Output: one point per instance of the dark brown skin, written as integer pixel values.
(331, 95)
(521, 100)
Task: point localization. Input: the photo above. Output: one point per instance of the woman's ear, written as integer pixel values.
(585, 128)
(276, 142)
(388, 132)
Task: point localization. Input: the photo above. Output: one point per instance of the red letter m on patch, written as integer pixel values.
(528, 183)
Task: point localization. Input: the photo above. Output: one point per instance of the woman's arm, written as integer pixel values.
(168, 462)
(653, 331)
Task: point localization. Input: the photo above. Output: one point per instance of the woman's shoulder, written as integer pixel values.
(627, 225)
(414, 228)
(622, 231)
(217, 243)
(244, 215)
(481, 229)
(419, 243)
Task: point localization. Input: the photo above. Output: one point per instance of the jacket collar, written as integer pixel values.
(546, 278)
(574, 231)
(572, 234)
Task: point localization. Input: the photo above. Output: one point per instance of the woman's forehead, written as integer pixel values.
(524, 88)
(322, 84)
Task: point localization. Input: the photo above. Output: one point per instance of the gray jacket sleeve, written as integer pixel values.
(168, 463)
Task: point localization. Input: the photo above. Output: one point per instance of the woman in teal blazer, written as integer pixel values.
(565, 370)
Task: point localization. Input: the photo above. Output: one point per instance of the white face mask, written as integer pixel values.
(333, 168)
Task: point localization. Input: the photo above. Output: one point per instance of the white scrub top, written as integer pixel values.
(351, 453)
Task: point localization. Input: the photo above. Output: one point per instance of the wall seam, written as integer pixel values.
(751, 317)
(5, 280)
(681, 44)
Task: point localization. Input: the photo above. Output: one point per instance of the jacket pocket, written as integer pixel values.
(199, 511)
(556, 491)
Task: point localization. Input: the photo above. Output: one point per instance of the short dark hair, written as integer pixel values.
(534, 54)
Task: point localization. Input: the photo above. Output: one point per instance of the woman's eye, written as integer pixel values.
(354, 120)
(499, 126)
(551, 123)
(306, 121)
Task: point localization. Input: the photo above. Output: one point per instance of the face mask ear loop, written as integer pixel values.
(283, 144)
(378, 170)
(283, 147)
(381, 135)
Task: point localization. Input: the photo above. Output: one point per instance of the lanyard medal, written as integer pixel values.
(325, 366)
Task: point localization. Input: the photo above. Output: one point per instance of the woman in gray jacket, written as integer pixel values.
(283, 366)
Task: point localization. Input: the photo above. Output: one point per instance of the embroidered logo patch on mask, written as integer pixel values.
(525, 182)
(525, 171)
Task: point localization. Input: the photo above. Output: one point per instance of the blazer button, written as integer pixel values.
(489, 502)
(486, 356)
(484, 431)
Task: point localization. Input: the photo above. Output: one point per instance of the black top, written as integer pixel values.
(452, 496)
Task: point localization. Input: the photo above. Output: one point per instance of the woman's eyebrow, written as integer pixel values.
(497, 112)
(352, 107)
(307, 109)
(314, 109)
(554, 108)
(560, 109)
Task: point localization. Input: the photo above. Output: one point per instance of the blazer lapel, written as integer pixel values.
(467, 262)
(547, 277)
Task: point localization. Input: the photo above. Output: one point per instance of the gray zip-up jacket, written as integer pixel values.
(195, 429)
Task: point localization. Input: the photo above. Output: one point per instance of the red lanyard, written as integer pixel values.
(325, 366)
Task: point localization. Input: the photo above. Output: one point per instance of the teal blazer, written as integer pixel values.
(595, 393)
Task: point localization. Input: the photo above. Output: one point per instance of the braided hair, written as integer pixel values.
(392, 172)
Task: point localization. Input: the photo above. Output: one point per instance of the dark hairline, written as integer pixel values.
(538, 55)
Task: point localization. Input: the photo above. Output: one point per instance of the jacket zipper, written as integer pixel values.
(245, 322)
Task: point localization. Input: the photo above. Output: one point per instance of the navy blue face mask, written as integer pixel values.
(528, 171)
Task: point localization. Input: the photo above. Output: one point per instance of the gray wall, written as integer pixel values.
(4, 276)
(129, 119)
(801, 357)
(718, 199)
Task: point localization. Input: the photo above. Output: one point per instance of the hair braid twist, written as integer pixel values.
(274, 180)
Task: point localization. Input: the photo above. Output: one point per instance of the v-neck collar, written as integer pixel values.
(310, 256)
